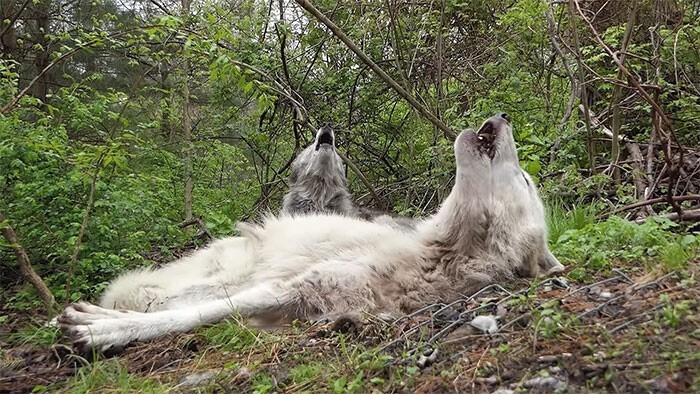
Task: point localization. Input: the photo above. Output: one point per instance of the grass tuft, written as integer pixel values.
(111, 376)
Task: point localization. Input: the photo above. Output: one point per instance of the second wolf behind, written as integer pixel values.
(317, 184)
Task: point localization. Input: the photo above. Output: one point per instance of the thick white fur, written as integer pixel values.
(490, 228)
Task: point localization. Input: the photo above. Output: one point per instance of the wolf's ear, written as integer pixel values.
(548, 264)
(249, 230)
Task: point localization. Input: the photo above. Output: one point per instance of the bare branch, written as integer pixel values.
(690, 197)
(383, 75)
(692, 215)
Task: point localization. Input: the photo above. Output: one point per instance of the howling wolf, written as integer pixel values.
(488, 230)
(317, 184)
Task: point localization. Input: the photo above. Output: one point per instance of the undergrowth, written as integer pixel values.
(597, 248)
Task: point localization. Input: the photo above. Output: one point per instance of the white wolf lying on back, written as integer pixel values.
(489, 229)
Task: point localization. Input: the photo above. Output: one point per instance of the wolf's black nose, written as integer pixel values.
(503, 115)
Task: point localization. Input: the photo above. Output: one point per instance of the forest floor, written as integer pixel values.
(627, 331)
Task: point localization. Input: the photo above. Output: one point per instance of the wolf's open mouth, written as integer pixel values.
(487, 134)
(325, 138)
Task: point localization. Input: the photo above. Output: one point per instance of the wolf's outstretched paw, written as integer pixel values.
(347, 324)
(92, 327)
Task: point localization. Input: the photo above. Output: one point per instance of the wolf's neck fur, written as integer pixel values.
(328, 190)
(462, 222)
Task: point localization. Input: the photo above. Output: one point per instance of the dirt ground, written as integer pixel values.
(626, 332)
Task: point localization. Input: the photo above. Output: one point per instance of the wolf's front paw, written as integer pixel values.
(90, 326)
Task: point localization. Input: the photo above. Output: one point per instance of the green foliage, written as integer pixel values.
(674, 312)
(307, 372)
(550, 320)
(560, 220)
(110, 376)
(262, 383)
(49, 172)
(41, 335)
(232, 335)
(598, 247)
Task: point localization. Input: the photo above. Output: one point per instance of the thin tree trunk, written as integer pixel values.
(26, 268)
(187, 123)
(438, 76)
(617, 96)
(584, 93)
(8, 34)
(83, 227)
(554, 38)
(41, 60)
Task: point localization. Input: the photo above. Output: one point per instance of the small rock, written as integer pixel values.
(485, 323)
(243, 373)
(427, 359)
(501, 310)
(491, 380)
(605, 295)
(554, 369)
(545, 383)
(503, 391)
(197, 379)
(561, 282)
(547, 359)
(387, 317)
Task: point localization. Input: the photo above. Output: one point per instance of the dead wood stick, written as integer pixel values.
(26, 268)
(691, 215)
(199, 222)
(689, 197)
(305, 4)
(637, 171)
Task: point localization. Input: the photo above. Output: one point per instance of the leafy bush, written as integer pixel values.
(598, 247)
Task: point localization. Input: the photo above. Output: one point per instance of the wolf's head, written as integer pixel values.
(319, 159)
(494, 209)
(317, 182)
(519, 226)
